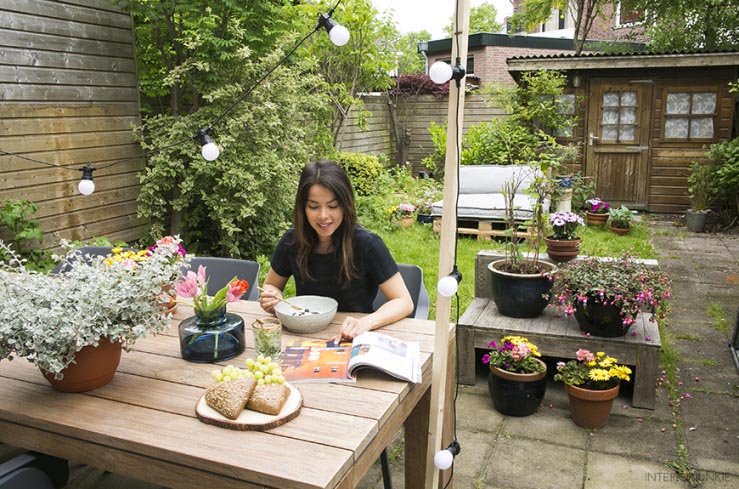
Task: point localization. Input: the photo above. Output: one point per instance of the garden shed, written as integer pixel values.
(69, 95)
(643, 118)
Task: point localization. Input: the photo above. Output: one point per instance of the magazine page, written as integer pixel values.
(316, 361)
(398, 358)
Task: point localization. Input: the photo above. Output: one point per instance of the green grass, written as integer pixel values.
(717, 313)
(688, 337)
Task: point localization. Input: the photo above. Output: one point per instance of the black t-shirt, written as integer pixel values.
(372, 261)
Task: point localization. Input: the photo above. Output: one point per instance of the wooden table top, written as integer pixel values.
(143, 423)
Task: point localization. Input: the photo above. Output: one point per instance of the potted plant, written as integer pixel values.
(620, 219)
(517, 380)
(701, 185)
(597, 212)
(55, 321)
(403, 214)
(563, 244)
(424, 213)
(592, 382)
(605, 295)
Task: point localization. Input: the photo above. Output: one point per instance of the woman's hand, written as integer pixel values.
(351, 328)
(269, 298)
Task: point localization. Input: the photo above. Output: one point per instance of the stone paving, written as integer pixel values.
(638, 448)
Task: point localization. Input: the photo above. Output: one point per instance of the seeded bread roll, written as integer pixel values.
(230, 397)
(268, 399)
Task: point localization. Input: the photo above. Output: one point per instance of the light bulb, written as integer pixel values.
(440, 72)
(210, 151)
(339, 35)
(86, 187)
(448, 286)
(443, 459)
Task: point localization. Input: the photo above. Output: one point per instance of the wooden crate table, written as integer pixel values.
(561, 337)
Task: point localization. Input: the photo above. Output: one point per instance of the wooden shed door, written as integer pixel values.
(617, 139)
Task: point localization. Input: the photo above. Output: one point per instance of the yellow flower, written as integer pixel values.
(600, 354)
(599, 374)
(621, 372)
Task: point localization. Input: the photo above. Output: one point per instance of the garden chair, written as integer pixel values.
(92, 251)
(220, 271)
(33, 470)
(413, 278)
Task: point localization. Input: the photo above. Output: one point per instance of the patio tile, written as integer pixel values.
(606, 471)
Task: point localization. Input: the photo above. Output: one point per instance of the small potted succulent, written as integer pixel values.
(592, 382)
(517, 379)
(597, 212)
(621, 218)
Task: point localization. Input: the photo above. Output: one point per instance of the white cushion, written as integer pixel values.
(487, 207)
(484, 179)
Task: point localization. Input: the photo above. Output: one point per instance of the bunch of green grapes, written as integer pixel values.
(263, 370)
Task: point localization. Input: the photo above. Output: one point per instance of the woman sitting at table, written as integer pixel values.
(330, 255)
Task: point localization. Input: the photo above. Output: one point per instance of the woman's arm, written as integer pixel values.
(273, 286)
(399, 305)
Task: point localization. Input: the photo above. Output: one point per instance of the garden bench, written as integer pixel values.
(555, 336)
(481, 204)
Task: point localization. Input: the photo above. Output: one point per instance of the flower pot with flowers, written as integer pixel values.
(605, 295)
(620, 219)
(212, 334)
(402, 214)
(96, 307)
(563, 244)
(597, 212)
(592, 382)
(517, 380)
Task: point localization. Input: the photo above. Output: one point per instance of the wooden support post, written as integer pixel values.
(455, 117)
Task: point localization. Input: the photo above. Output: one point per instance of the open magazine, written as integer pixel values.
(325, 361)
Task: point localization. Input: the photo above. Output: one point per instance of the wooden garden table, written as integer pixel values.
(143, 423)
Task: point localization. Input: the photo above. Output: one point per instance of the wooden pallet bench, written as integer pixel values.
(561, 337)
(484, 229)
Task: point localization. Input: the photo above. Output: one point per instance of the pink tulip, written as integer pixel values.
(189, 287)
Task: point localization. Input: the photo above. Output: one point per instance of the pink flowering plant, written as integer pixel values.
(514, 354)
(565, 224)
(595, 371)
(195, 286)
(624, 282)
(598, 206)
(402, 210)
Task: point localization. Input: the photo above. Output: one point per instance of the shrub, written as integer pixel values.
(365, 172)
(435, 161)
(701, 185)
(27, 233)
(726, 154)
(418, 84)
(500, 142)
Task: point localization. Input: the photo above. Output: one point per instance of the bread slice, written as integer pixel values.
(230, 397)
(268, 399)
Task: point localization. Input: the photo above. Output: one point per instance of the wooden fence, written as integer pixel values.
(68, 95)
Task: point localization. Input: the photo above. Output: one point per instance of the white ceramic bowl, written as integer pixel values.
(321, 311)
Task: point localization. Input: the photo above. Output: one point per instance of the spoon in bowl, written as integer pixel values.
(297, 308)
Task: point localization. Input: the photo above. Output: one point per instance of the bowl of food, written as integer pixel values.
(315, 313)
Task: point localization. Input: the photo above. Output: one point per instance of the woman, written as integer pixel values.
(330, 255)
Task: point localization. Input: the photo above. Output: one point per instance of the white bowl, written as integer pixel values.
(321, 310)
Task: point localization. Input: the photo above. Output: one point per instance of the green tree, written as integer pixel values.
(536, 11)
(482, 19)
(676, 25)
(409, 59)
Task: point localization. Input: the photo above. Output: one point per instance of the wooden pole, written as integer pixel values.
(455, 120)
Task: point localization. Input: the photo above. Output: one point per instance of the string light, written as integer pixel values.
(448, 285)
(440, 72)
(339, 36)
(86, 185)
(443, 459)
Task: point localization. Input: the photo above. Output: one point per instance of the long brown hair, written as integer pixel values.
(333, 177)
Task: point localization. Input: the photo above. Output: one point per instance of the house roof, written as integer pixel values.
(595, 61)
(482, 39)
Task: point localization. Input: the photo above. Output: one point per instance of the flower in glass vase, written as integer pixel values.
(594, 371)
(195, 286)
(565, 224)
(514, 354)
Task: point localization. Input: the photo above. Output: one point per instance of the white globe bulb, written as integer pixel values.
(443, 459)
(86, 187)
(448, 286)
(440, 72)
(339, 35)
(210, 151)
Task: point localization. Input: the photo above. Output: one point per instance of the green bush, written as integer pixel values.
(26, 232)
(726, 156)
(435, 162)
(364, 172)
(499, 142)
(701, 185)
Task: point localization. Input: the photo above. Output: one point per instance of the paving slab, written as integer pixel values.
(608, 471)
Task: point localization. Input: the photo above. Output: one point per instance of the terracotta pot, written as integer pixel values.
(94, 367)
(595, 219)
(405, 222)
(620, 231)
(561, 250)
(590, 408)
(169, 305)
(517, 394)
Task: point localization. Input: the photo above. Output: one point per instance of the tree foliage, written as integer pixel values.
(482, 19)
(409, 59)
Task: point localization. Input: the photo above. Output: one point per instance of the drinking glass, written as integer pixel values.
(267, 337)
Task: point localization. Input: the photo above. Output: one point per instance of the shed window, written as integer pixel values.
(618, 120)
(690, 115)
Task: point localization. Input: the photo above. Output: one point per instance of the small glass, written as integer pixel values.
(268, 337)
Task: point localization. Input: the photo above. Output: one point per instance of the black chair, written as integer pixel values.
(220, 271)
(88, 252)
(413, 278)
(33, 470)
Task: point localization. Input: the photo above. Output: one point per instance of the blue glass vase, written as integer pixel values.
(211, 336)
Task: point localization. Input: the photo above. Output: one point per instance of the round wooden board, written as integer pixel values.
(252, 420)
